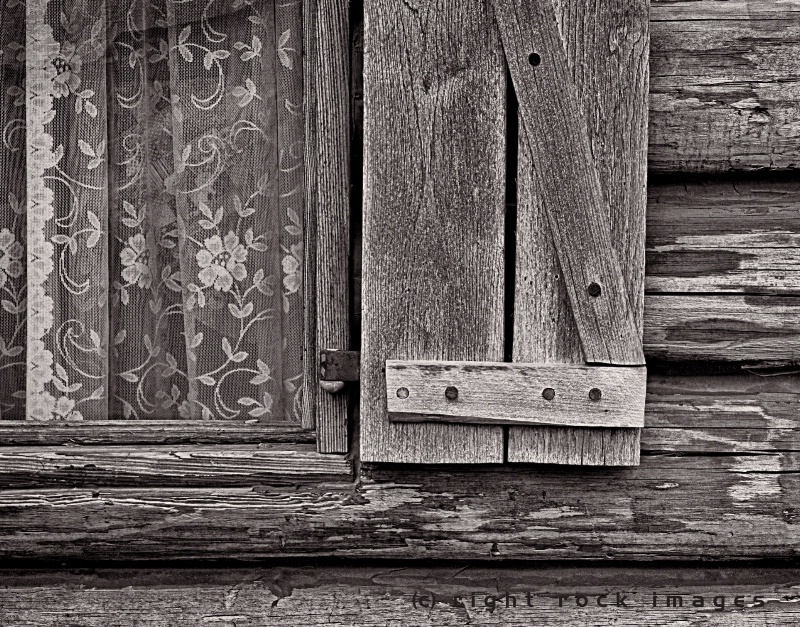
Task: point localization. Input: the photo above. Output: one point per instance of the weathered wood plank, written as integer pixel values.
(718, 480)
(397, 594)
(722, 413)
(612, 87)
(555, 131)
(724, 236)
(725, 79)
(434, 188)
(724, 328)
(698, 10)
(515, 394)
(330, 67)
(153, 466)
(145, 432)
(670, 507)
(705, 236)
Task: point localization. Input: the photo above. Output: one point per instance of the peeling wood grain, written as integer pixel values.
(703, 10)
(719, 479)
(670, 507)
(724, 413)
(724, 236)
(389, 594)
(724, 83)
(725, 328)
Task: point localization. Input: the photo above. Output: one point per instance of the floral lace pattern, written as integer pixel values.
(13, 282)
(155, 269)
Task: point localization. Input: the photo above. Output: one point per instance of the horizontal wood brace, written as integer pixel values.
(516, 393)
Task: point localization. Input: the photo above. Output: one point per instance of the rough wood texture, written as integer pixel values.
(671, 507)
(393, 594)
(723, 328)
(724, 236)
(330, 66)
(122, 432)
(718, 480)
(612, 89)
(434, 188)
(724, 85)
(154, 466)
(556, 133)
(520, 394)
(706, 236)
(725, 413)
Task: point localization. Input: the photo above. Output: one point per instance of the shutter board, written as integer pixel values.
(607, 52)
(554, 132)
(434, 193)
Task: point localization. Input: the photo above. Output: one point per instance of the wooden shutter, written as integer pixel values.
(610, 75)
(435, 302)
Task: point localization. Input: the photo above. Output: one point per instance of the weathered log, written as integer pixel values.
(671, 507)
(723, 327)
(718, 480)
(734, 236)
(724, 84)
(398, 595)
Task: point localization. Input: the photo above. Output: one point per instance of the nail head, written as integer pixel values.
(594, 290)
(402, 392)
(534, 59)
(451, 393)
(595, 394)
(548, 394)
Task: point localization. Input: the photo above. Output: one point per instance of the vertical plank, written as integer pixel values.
(434, 190)
(607, 49)
(330, 61)
(557, 136)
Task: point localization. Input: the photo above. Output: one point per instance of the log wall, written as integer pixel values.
(720, 447)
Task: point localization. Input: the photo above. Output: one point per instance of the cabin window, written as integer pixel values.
(152, 229)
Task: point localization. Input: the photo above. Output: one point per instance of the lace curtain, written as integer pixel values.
(151, 231)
